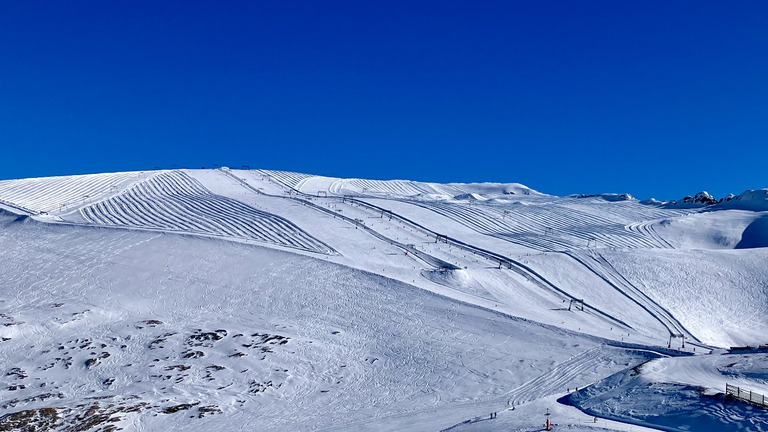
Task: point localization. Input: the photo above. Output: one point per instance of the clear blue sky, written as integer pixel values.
(654, 98)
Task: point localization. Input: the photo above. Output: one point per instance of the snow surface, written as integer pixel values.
(748, 200)
(269, 300)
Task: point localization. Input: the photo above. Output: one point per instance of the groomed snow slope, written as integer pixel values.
(721, 296)
(174, 201)
(213, 299)
(60, 193)
(149, 322)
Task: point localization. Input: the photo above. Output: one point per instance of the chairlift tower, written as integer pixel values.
(676, 335)
(579, 304)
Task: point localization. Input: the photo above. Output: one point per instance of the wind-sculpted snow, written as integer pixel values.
(47, 194)
(174, 201)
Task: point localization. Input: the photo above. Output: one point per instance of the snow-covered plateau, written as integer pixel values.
(225, 300)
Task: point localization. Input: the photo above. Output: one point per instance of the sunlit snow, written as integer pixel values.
(269, 300)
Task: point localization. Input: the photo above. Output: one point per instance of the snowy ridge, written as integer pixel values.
(748, 200)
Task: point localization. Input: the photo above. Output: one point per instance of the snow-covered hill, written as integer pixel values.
(224, 299)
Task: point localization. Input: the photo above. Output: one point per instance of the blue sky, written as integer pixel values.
(655, 98)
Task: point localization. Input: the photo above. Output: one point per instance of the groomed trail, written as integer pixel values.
(174, 201)
(60, 193)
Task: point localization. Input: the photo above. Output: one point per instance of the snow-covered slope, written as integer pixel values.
(214, 299)
(60, 193)
(748, 200)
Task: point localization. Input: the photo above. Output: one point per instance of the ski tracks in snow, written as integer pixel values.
(556, 380)
(598, 265)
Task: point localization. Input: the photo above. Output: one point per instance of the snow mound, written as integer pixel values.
(470, 197)
(495, 189)
(459, 279)
(651, 201)
(705, 230)
(755, 235)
